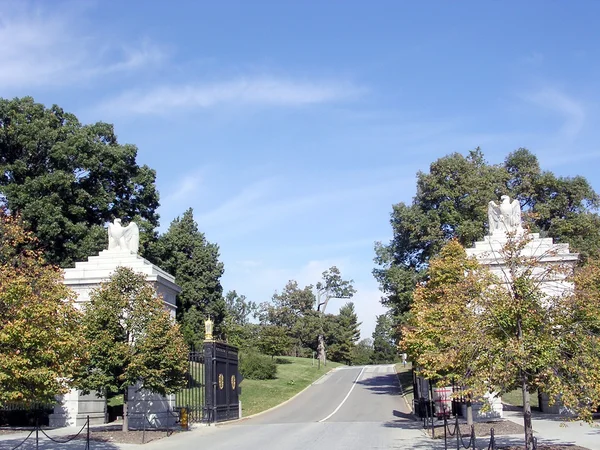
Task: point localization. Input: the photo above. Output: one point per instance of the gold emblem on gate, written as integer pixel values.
(233, 382)
(221, 381)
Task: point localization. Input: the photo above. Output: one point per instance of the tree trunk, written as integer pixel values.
(125, 412)
(469, 410)
(527, 413)
(321, 349)
(526, 403)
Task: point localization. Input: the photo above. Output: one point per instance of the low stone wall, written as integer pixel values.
(74, 408)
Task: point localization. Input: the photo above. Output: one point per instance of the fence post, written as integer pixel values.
(445, 433)
(37, 437)
(88, 434)
(457, 431)
(432, 424)
(144, 429)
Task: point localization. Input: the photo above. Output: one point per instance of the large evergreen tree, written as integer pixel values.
(451, 203)
(384, 348)
(184, 252)
(67, 180)
(348, 333)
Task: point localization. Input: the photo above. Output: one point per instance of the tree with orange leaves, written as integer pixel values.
(40, 334)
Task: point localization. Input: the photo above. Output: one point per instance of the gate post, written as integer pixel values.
(210, 384)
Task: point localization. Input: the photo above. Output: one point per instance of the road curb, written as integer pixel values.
(280, 404)
(402, 391)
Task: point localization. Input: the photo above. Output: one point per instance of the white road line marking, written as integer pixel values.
(346, 397)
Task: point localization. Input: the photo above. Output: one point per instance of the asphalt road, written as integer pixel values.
(350, 408)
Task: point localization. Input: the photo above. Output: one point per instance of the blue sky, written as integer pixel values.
(292, 127)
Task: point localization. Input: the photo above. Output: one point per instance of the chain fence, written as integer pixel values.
(172, 422)
(40, 434)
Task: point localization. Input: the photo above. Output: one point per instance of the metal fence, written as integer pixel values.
(192, 396)
(38, 434)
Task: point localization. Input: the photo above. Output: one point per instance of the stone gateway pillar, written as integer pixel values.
(73, 408)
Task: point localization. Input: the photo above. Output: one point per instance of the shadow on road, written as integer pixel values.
(404, 421)
(382, 384)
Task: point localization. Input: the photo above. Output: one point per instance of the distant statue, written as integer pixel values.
(506, 217)
(123, 238)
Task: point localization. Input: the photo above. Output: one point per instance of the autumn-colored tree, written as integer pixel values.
(442, 312)
(40, 340)
(497, 334)
(132, 340)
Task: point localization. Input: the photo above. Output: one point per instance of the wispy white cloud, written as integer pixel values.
(50, 47)
(572, 110)
(185, 188)
(253, 90)
(265, 203)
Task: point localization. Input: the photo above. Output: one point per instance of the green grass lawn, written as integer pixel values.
(406, 381)
(515, 398)
(260, 395)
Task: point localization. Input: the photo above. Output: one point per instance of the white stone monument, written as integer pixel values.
(73, 408)
(505, 223)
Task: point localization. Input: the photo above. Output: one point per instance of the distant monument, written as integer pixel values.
(123, 238)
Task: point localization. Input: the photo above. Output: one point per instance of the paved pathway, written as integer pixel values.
(350, 408)
(551, 428)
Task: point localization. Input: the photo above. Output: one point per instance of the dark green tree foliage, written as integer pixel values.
(333, 286)
(362, 353)
(239, 309)
(131, 339)
(384, 347)
(237, 327)
(293, 309)
(67, 180)
(255, 366)
(287, 307)
(451, 202)
(348, 333)
(273, 340)
(184, 252)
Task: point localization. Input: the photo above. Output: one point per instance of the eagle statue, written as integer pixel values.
(504, 218)
(123, 238)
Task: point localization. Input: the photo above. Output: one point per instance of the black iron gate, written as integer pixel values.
(222, 379)
(211, 393)
(193, 397)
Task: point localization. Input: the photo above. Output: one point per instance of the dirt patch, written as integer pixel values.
(106, 433)
(501, 428)
(130, 437)
(11, 431)
(115, 435)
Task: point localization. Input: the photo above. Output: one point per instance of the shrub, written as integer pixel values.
(282, 361)
(257, 367)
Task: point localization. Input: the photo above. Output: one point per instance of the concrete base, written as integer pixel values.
(496, 410)
(556, 408)
(73, 409)
(148, 410)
